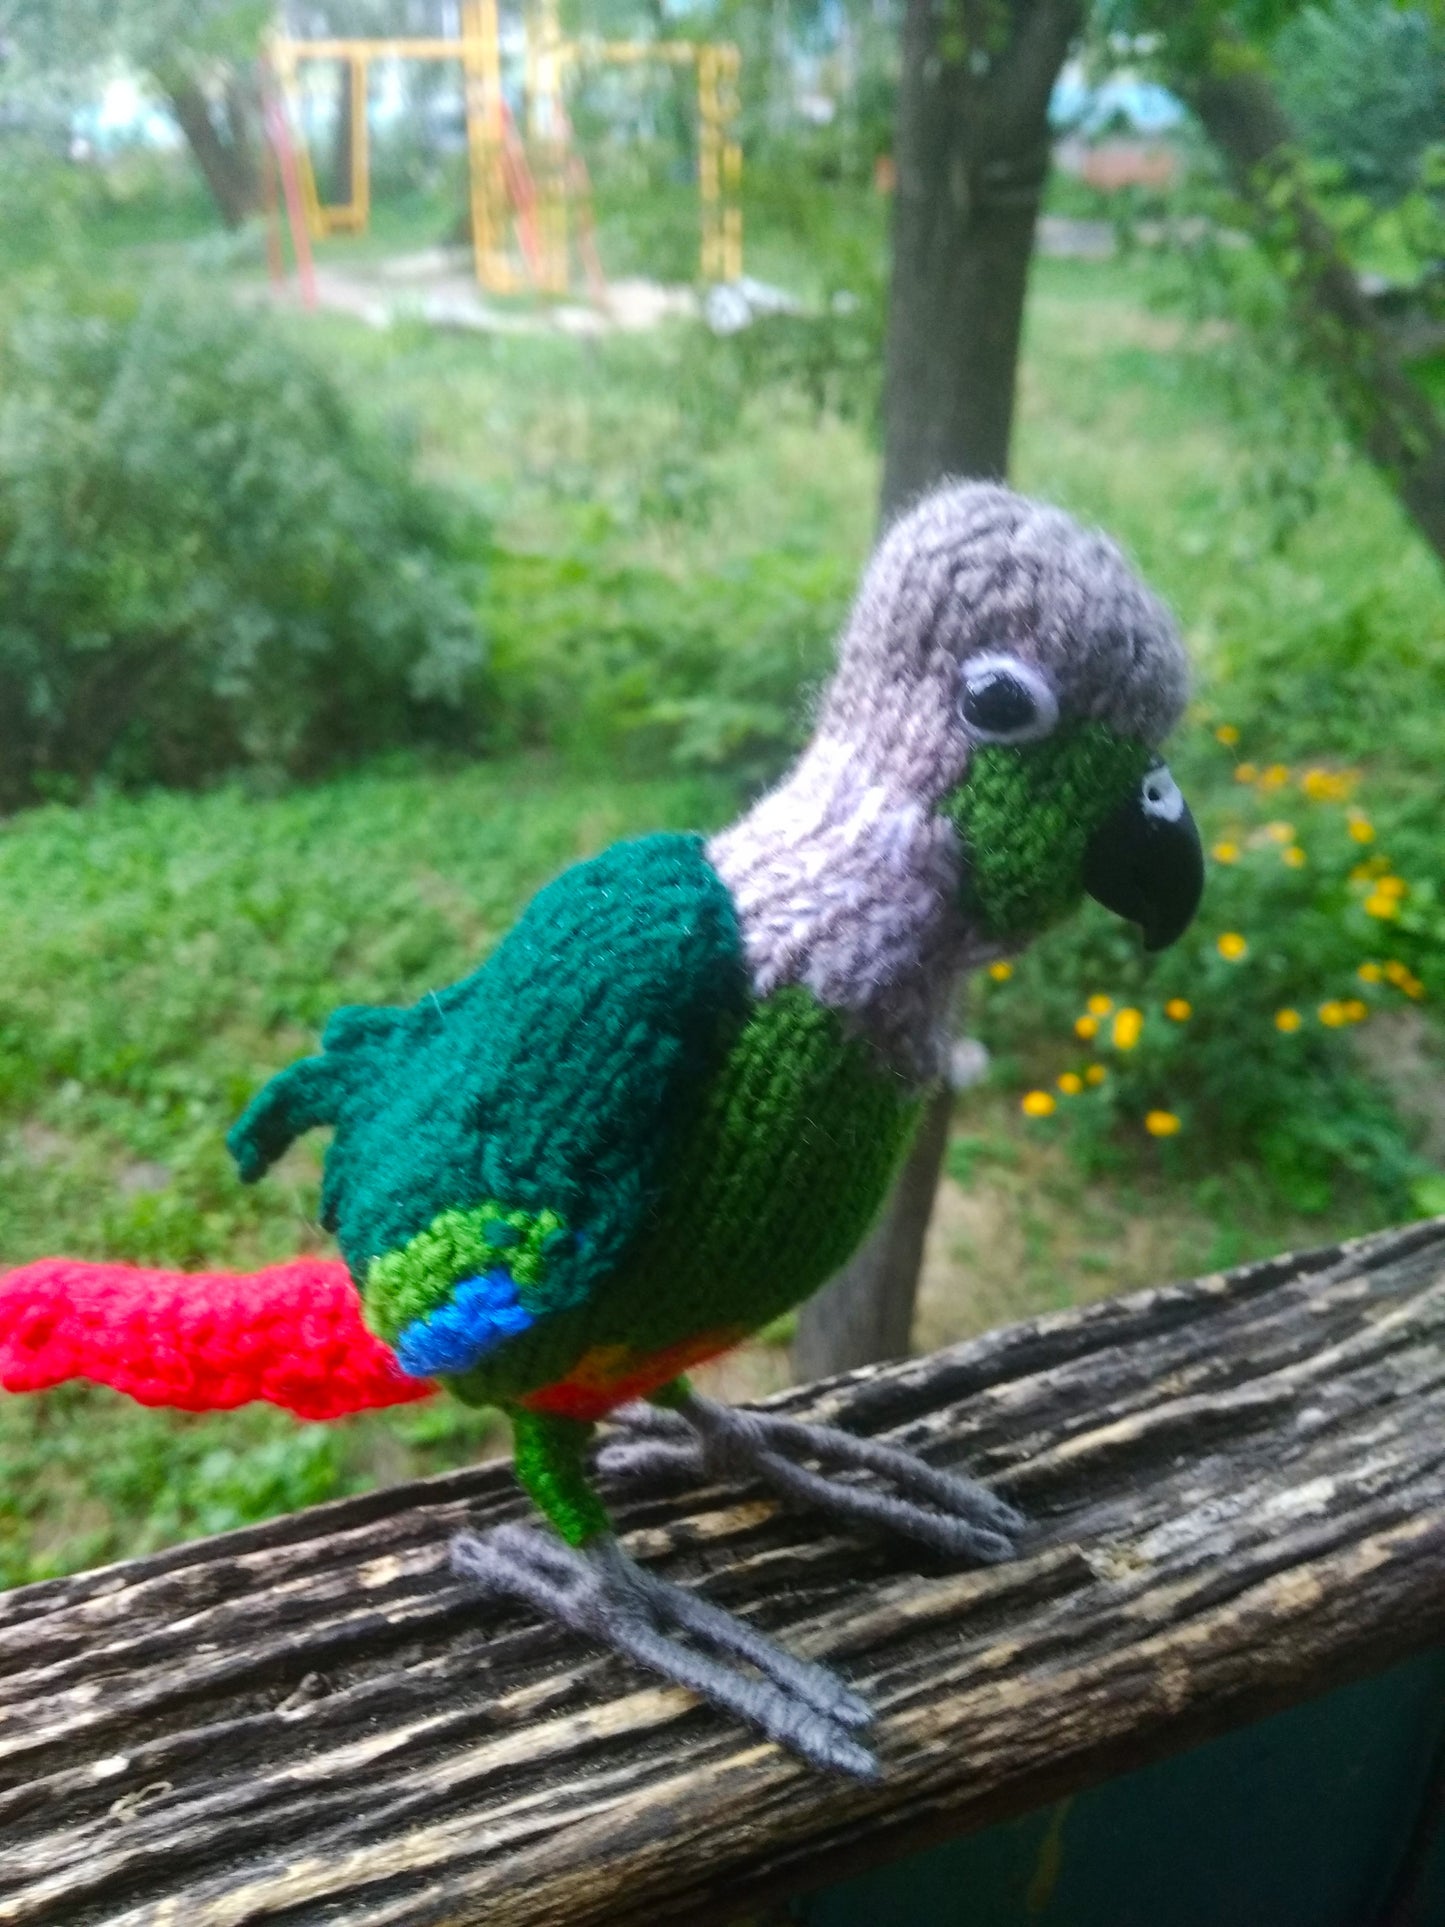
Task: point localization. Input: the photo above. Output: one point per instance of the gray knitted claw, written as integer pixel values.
(701, 1439)
(600, 1592)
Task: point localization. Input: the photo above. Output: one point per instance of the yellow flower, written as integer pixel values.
(1279, 832)
(1070, 1083)
(1161, 1123)
(1362, 873)
(1001, 971)
(1227, 734)
(1333, 1013)
(1086, 1027)
(1397, 972)
(1245, 772)
(1095, 1074)
(1038, 1104)
(1127, 1026)
(1226, 852)
(1389, 886)
(1232, 946)
(1413, 987)
(1100, 1006)
(1287, 1020)
(1294, 856)
(1273, 778)
(1377, 904)
(1370, 973)
(1327, 786)
(1356, 1011)
(1180, 1009)
(1361, 828)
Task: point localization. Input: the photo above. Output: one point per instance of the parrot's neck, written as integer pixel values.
(850, 887)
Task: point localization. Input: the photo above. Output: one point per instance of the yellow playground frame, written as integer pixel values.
(501, 180)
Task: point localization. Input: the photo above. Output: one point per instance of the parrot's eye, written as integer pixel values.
(1005, 701)
(1163, 800)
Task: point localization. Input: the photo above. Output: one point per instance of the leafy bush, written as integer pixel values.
(635, 666)
(209, 558)
(1241, 1039)
(1364, 82)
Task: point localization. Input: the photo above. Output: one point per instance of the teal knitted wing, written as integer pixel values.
(497, 1143)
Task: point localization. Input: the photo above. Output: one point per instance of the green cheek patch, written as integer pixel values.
(1025, 815)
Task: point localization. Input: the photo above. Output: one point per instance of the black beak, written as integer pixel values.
(1146, 862)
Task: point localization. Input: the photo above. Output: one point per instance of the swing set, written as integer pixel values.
(531, 202)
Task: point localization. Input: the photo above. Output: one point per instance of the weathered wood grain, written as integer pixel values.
(1238, 1489)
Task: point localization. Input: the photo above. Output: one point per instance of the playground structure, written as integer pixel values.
(530, 197)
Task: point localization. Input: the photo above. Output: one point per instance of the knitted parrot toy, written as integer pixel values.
(671, 1103)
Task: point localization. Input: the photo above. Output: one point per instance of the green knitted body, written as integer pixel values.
(601, 1133)
(548, 1081)
(774, 1178)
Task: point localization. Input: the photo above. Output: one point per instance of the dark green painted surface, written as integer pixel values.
(1298, 1821)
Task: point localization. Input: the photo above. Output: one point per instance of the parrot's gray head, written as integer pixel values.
(1007, 669)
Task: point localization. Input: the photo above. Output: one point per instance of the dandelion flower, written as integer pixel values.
(1245, 772)
(1095, 1074)
(1180, 1009)
(1377, 904)
(1001, 971)
(1100, 1006)
(1370, 973)
(1294, 856)
(1231, 946)
(1355, 1009)
(1127, 1026)
(1161, 1123)
(1361, 828)
(1389, 886)
(1287, 1020)
(1413, 987)
(1226, 852)
(1038, 1104)
(1279, 832)
(1070, 1083)
(1333, 1014)
(1227, 734)
(1396, 972)
(1273, 778)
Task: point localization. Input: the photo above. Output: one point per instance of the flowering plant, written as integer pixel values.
(1239, 1039)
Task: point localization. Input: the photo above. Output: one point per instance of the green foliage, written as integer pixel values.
(65, 35)
(211, 558)
(1364, 83)
(1242, 1039)
(618, 662)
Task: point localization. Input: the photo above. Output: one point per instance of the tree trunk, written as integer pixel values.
(973, 155)
(226, 160)
(1388, 416)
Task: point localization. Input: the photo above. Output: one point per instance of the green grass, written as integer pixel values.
(661, 508)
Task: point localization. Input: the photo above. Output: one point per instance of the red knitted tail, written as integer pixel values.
(202, 1341)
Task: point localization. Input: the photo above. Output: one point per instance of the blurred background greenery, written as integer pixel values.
(326, 638)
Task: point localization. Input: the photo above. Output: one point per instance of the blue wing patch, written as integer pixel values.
(481, 1314)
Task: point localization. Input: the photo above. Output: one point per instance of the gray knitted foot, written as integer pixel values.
(699, 1438)
(600, 1592)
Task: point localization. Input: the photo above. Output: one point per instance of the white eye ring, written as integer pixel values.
(1161, 796)
(1026, 708)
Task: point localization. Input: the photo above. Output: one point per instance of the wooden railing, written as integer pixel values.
(1238, 1494)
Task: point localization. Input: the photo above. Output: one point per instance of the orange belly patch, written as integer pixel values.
(609, 1375)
